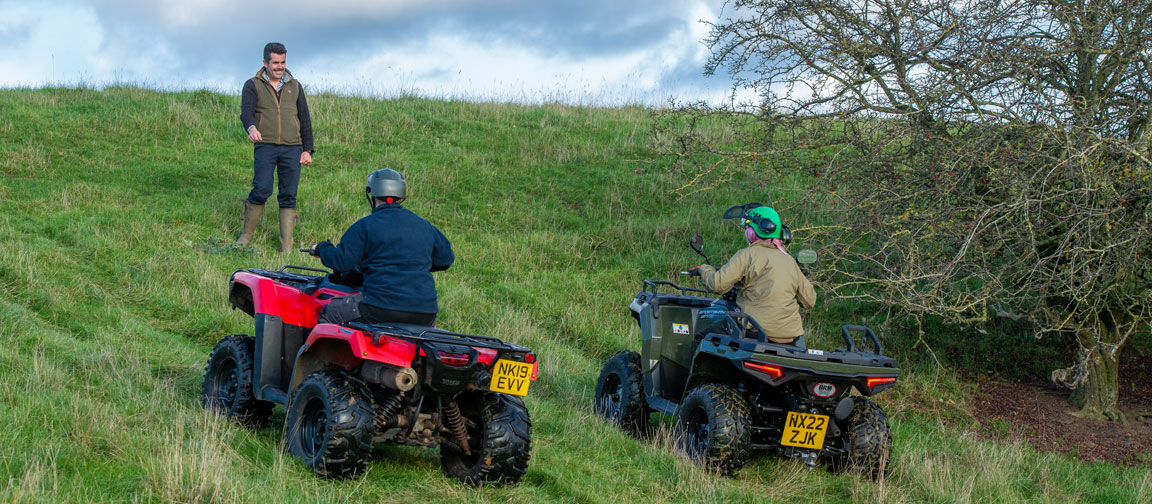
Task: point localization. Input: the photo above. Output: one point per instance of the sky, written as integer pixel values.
(584, 52)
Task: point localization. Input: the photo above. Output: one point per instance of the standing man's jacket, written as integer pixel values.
(773, 289)
(282, 115)
(396, 251)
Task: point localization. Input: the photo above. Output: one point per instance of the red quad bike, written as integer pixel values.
(348, 387)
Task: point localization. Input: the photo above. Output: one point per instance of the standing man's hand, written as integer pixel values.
(305, 158)
(254, 135)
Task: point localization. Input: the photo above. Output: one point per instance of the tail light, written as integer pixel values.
(454, 359)
(486, 356)
(531, 359)
(873, 382)
(773, 371)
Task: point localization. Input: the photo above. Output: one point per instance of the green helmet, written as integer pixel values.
(765, 222)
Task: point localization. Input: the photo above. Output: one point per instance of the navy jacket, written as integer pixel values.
(396, 251)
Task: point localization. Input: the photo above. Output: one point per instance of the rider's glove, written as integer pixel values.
(694, 271)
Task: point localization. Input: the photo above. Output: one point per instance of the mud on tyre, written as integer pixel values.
(329, 424)
(620, 393)
(499, 437)
(228, 379)
(869, 440)
(712, 428)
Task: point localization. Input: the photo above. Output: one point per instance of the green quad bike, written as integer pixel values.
(732, 395)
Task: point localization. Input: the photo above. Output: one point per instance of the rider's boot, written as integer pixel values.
(288, 218)
(252, 215)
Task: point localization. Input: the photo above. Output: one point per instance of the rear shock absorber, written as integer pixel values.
(456, 423)
(387, 410)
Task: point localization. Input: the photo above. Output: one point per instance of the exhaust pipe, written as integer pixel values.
(401, 379)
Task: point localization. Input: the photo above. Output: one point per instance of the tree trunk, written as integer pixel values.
(1097, 395)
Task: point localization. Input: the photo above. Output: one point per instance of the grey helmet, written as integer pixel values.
(385, 184)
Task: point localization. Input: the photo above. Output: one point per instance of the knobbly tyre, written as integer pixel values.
(348, 387)
(734, 394)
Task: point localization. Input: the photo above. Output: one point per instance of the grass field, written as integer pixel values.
(116, 209)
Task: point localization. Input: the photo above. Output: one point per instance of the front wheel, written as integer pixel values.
(329, 424)
(500, 437)
(712, 428)
(228, 382)
(620, 393)
(869, 440)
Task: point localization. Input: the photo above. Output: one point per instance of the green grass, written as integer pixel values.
(115, 206)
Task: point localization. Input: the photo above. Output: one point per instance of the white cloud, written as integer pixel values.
(581, 51)
(453, 66)
(49, 44)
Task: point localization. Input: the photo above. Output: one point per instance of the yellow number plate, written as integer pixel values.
(804, 431)
(511, 377)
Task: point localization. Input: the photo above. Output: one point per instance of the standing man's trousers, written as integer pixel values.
(283, 161)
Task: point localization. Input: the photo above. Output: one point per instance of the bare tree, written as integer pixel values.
(991, 157)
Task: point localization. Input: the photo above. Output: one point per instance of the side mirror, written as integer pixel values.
(697, 244)
(806, 256)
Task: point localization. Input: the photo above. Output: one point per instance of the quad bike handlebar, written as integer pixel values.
(654, 284)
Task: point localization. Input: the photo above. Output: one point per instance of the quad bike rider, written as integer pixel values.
(773, 289)
(734, 390)
(396, 251)
(349, 381)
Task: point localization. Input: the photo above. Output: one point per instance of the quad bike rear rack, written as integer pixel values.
(434, 335)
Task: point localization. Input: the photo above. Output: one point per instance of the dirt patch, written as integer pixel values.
(1038, 411)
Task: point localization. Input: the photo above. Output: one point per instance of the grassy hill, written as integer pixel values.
(116, 209)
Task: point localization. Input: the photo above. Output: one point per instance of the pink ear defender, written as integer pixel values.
(750, 235)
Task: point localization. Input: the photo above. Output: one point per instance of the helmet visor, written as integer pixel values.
(740, 213)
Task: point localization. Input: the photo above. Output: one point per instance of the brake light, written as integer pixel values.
(486, 356)
(773, 371)
(872, 382)
(454, 359)
(530, 357)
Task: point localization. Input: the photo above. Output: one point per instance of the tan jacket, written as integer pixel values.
(773, 288)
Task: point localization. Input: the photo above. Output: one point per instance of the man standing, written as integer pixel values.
(275, 115)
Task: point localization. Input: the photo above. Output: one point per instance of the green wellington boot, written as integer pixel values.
(288, 218)
(252, 215)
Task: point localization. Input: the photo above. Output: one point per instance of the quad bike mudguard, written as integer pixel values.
(667, 325)
(284, 316)
(855, 367)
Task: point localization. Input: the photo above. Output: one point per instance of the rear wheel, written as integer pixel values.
(500, 438)
(228, 382)
(869, 440)
(329, 424)
(712, 428)
(620, 393)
